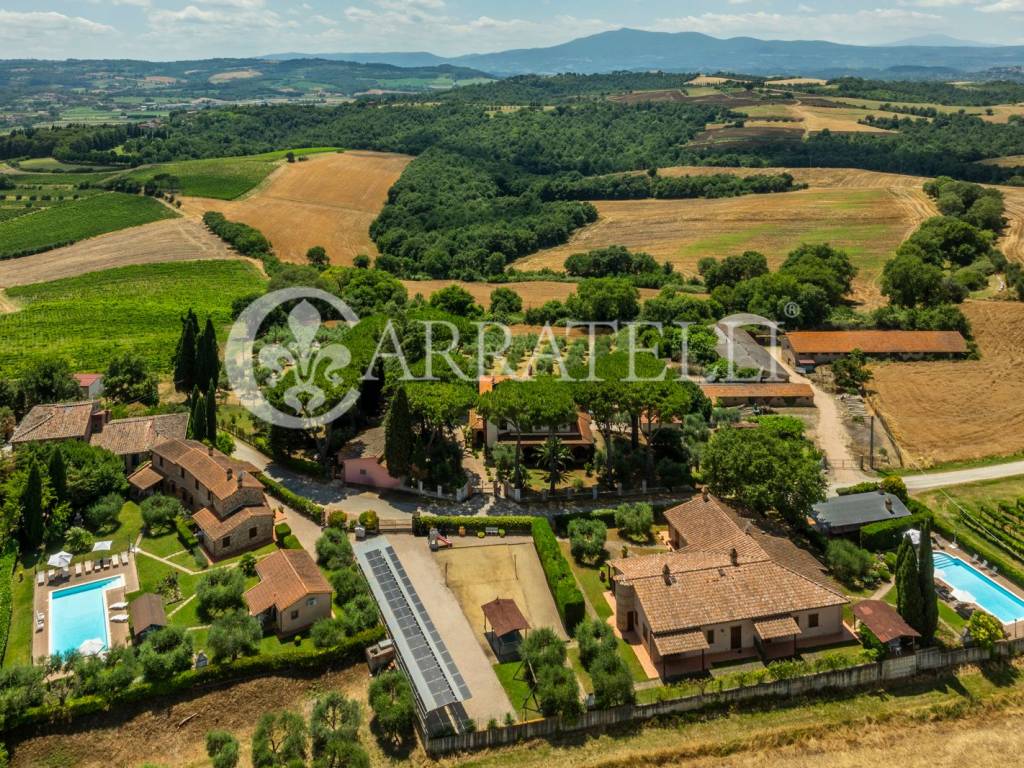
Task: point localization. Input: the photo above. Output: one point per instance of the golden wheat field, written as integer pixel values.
(868, 214)
(328, 200)
(945, 411)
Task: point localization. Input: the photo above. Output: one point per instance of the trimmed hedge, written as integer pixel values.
(185, 535)
(285, 661)
(300, 504)
(561, 581)
(886, 534)
(866, 487)
(8, 562)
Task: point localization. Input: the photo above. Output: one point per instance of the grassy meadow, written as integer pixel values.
(89, 318)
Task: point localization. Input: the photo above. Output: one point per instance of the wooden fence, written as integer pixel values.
(864, 675)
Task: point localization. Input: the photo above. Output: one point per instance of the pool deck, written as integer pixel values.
(119, 632)
(1014, 630)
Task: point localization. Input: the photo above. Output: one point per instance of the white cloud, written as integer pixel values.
(323, 20)
(1003, 6)
(16, 25)
(938, 3)
(225, 17)
(828, 26)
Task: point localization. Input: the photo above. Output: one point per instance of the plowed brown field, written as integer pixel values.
(171, 240)
(960, 410)
(868, 214)
(329, 200)
(534, 293)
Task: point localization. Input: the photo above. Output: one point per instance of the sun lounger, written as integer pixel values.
(88, 567)
(106, 562)
(40, 621)
(124, 558)
(50, 575)
(119, 606)
(40, 578)
(78, 569)
(120, 618)
(116, 561)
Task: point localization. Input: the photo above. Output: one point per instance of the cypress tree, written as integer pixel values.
(58, 473)
(929, 598)
(398, 435)
(185, 354)
(197, 419)
(207, 355)
(211, 412)
(32, 507)
(908, 584)
(901, 554)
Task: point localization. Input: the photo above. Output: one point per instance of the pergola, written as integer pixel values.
(507, 625)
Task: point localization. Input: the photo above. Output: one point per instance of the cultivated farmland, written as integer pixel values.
(330, 200)
(75, 220)
(178, 239)
(87, 319)
(868, 214)
(960, 410)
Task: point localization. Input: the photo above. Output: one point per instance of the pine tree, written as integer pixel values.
(58, 473)
(398, 436)
(185, 354)
(211, 412)
(929, 597)
(908, 585)
(32, 507)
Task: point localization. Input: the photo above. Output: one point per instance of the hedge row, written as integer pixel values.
(185, 535)
(285, 661)
(607, 516)
(300, 504)
(561, 581)
(886, 534)
(8, 562)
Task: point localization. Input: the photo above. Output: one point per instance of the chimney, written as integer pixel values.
(230, 473)
(734, 556)
(209, 450)
(241, 477)
(705, 495)
(888, 505)
(666, 573)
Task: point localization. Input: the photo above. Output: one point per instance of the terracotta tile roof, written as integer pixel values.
(56, 421)
(735, 593)
(755, 389)
(504, 616)
(704, 526)
(215, 528)
(287, 576)
(139, 435)
(883, 620)
(145, 478)
(776, 628)
(487, 383)
(147, 610)
(877, 342)
(87, 379)
(209, 466)
(366, 445)
(627, 569)
(681, 642)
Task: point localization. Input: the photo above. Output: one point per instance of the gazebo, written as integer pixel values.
(885, 623)
(507, 625)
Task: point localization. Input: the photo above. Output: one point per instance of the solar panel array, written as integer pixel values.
(420, 646)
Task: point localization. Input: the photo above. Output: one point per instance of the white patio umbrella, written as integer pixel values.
(60, 560)
(91, 647)
(102, 546)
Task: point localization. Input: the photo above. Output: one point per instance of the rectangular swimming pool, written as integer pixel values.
(79, 613)
(972, 586)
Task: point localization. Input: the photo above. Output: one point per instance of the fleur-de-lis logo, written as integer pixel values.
(306, 359)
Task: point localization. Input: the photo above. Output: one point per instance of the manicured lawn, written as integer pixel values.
(518, 690)
(636, 670)
(151, 572)
(164, 545)
(88, 319)
(76, 220)
(19, 641)
(590, 582)
(224, 178)
(955, 621)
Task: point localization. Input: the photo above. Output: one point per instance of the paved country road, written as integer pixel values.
(927, 481)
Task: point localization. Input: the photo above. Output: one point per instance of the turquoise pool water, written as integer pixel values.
(972, 586)
(79, 613)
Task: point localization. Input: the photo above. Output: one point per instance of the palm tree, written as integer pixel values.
(555, 457)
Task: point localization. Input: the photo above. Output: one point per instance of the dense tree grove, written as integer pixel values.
(576, 186)
(934, 91)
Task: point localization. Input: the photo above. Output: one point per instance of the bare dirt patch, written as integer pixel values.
(329, 200)
(798, 81)
(960, 410)
(641, 97)
(1012, 241)
(868, 214)
(170, 240)
(534, 293)
(237, 74)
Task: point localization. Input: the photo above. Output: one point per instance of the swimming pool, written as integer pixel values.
(79, 613)
(972, 586)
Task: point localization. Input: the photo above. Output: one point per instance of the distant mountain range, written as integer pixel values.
(632, 49)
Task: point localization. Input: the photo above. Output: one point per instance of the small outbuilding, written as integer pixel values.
(507, 625)
(885, 623)
(843, 515)
(147, 615)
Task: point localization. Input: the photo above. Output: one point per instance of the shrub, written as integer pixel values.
(328, 633)
(358, 614)
(290, 542)
(282, 530)
(848, 562)
(159, 512)
(104, 514)
(613, 685)
(368, 520)
(587, 539)
(542, 648)
(558, 692)
(218, 592)
(333, 550)
(394, 711)
(337, 519)
(185, 535)
(222, 749)
(895, 485)
(984, 629)
(78, 540)
(347, 583)
(594, 637)
(165, 653)
(247, 564)
(300, 504)
(634, 521)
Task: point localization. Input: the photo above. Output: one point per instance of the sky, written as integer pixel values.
(193, 29)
